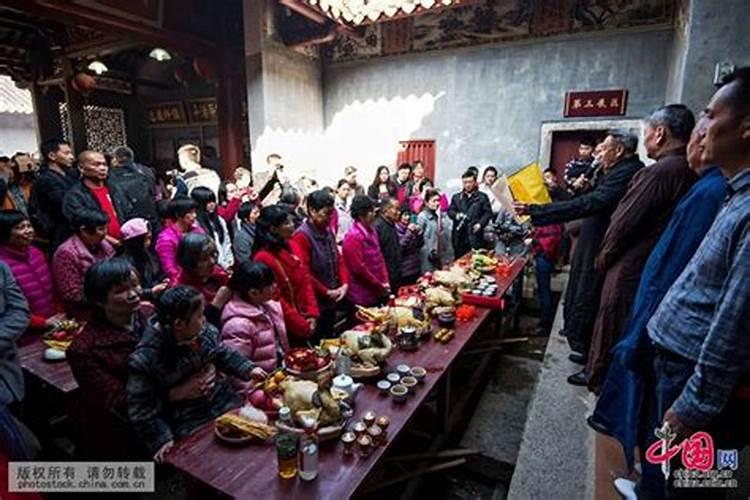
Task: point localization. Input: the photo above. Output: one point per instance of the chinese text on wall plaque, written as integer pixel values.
(596, 103)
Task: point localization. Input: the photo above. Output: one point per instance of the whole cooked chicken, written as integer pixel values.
(306, 400)
(439, 297)
(371, 349)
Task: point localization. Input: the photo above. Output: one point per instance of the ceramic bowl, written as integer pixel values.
(403, 369)
(419, 373)
(410, 383)
(399, 393)
(384, 387)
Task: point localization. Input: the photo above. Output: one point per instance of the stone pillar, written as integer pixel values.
(706, 33)
(229, 111)
(284, 94)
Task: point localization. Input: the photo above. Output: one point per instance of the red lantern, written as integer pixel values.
(205, 69)
(83, 83)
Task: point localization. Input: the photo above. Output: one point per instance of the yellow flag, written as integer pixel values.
(527, 185)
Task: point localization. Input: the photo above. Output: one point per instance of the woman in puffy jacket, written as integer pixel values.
(368, 275)
(29, 266)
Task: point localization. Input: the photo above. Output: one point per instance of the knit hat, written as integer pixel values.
(134, 228)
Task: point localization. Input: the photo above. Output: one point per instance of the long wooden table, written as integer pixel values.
(251, 472)
(56, 375)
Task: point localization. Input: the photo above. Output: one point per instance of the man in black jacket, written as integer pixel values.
(93, 192)
(138, 183)
(385, 225)
(56, 177)
(470, 210)
(619, 162)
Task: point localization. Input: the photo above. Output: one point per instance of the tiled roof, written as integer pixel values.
(360, 11)
(13, 99)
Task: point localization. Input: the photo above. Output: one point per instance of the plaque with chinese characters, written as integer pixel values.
(165, 114)
(201, 111)
(596, 103)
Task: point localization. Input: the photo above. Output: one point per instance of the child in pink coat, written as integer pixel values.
(252, 323)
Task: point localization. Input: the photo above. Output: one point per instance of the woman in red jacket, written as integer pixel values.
(274, 230)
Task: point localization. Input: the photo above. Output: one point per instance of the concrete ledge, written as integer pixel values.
(556, 459)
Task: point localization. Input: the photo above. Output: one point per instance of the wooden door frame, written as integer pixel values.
(549, 128)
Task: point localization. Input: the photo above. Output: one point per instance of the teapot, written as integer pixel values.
(347, 384)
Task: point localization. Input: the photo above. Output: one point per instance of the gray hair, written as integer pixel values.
(625, 138)
(123, 154)
(676, 117)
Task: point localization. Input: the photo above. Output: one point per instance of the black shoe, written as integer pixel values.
(577, 379)
(577, 358)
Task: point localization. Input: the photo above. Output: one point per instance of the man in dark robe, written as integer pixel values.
(618, 161)
(622, 410)
(635, 227)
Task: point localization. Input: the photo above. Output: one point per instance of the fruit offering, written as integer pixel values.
(62, 334)
(303, 359)
(268, 395)
(483, 263)
(466, 313)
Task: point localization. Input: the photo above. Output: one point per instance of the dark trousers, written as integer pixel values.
(729, 430)
(326, 326)
(326, 323)
(544, 266)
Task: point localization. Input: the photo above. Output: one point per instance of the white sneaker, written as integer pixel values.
(626, 488)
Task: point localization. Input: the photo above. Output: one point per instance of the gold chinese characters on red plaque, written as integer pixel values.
(201, 111)
(596, 103)
(165, 114)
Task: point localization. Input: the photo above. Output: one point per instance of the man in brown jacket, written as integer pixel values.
(635, 227)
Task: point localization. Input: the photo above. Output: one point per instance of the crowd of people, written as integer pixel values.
(187, 292)
(656, 308)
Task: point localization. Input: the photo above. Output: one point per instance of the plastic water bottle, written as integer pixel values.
(308, 453)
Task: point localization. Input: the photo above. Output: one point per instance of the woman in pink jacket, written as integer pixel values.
(76, 255)
(252, 322)
(368, 276)
(184, 215)
(29, 267)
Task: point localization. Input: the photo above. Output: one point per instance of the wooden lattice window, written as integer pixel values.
(105, 127)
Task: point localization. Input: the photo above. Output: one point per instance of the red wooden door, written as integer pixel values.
(411, 151)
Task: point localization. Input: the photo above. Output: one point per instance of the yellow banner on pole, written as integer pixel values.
(527, 185)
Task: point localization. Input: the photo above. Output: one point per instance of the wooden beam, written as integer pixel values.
(100, 49)
(306, 10)
(461, 452)
(74, 100)
(70, 13)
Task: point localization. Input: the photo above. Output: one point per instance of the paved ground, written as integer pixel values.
(556, 459)
(499, 419)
